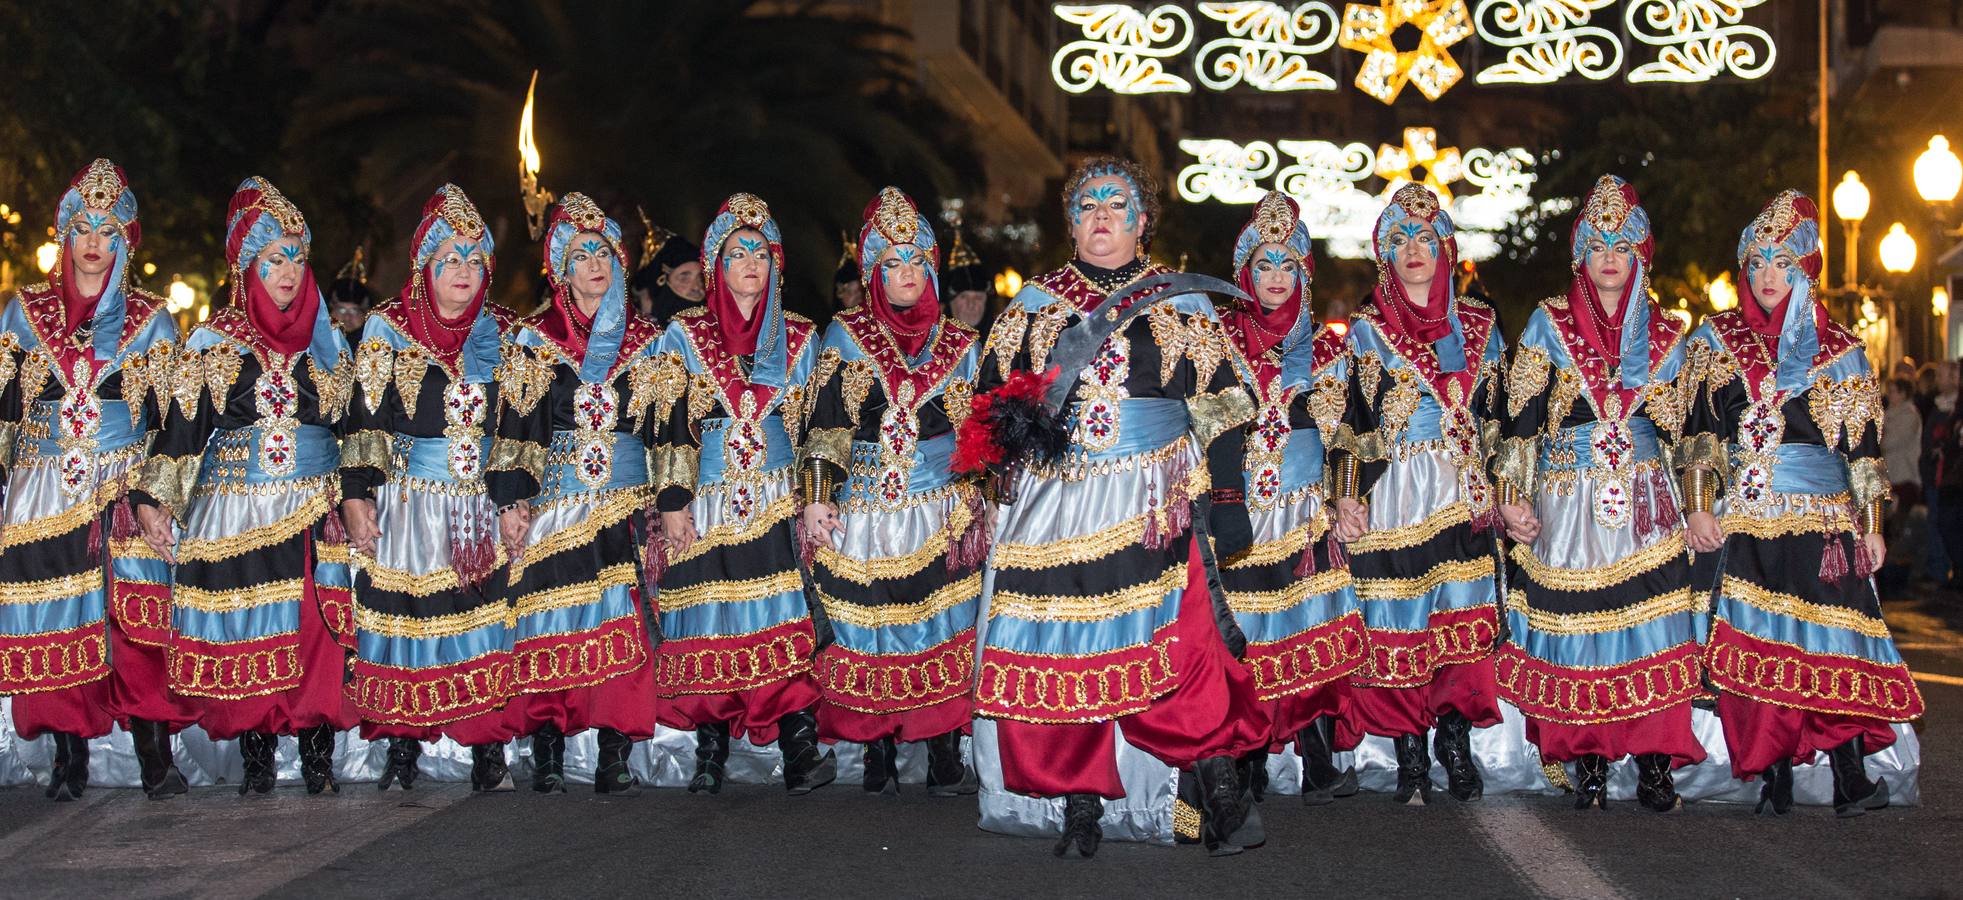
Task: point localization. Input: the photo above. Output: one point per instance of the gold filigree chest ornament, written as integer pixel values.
(899, 436)
(77, 419)
(1101, 391)
(465, 409)
(745, 452)
(596, 408)
(1760, 432)
(276, 397)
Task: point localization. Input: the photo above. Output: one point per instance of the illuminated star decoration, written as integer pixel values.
(1368, 29)
(1399, 165)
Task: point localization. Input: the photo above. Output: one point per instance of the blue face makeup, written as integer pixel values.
(1125, 192)
(591, 246)
(754, 245)
(1275, 257)
(906, 253)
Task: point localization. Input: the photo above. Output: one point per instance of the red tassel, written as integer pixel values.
(1666, 504)
(473, 553)
(1864, 562)
(1487, 519)
(807, 543)
(1645, 513)
(1339, 558)
(95, 539)
(123, 526)
(334, 531)
(654, 551)
(1154, 536)
(1305, 565)
(1177, 519)
(1833, 563)
(970, 549)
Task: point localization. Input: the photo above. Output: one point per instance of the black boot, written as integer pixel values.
(317, 759)
(1253, 772)
(613, 776)
(1413, 770)
(549, 760)
(807, 766)
(1853, 793)
(1224, 802)
(1591, 786)
(256, 750)
(1655, 787)
(1453, 745)
(401, 768)
(1778, 790)
(1080, 829)
(71, 772)
(1321, 783)
(153, 758)
(488, 769)
(711, 756)
(882, 767)
(947, 775)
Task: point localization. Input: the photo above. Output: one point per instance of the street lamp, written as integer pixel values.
(1939, 301)
(1850, 202)
(1938, 173)
(180, 297)
(1008, 282)
(1721, 292)
(44, 256)
(1897, 249)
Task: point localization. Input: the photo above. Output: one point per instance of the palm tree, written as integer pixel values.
(672, 106)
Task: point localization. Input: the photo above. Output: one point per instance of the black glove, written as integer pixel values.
(1232, 530)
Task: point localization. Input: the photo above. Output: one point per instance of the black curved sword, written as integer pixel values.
(1077, 344)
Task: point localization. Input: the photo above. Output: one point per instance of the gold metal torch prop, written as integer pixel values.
(536, 199)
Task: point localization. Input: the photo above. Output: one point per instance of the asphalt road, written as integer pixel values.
(442, 841)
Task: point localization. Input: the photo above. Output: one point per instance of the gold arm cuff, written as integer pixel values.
(1515, 464)
(1348, 478)
(833, 445)
(1508, 494)
(1871, 516)
(366, 448)
(815, 484)
(675, 466)
(1867, 481)
(1700, 490)
(170, 479)
(1213, 415)
(510, 454)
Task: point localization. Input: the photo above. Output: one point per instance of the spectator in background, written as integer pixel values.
(1942, 476)
(349, 299)
(1901, 449)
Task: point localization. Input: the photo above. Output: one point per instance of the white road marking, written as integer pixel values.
(1543, 859)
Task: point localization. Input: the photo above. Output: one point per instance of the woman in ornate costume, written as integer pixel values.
(1100, 615)
(899, 542)
(1291, 594)
(569, 473)
(1422, 419)
(1787, 421)
(1603, 653)
(246, 465)
(738, 625)
(433, 648)
(79, 358)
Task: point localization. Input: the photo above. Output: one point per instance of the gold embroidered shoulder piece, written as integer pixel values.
(1369, 372)
(1170, 333)
(1328, 397)
(1043, 332)
(10, 359)
(702, 393)
(1206, 346)
(1667, 403)
(1005, 338)
(1567, 390)
(958, 400)
(34, 372)
(523, 378)
(186, 382)
(335, 386)
(1527, 379)
(374, 365)
(221, 370)
(665, 378)
(410, 367)
(1843, 409)
(857, 379)
(1400, 402)
(1719, 371)
(792, 408)
(823, 370)
(143, 374)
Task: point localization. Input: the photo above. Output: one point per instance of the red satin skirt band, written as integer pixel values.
(1761, 734)
(135, 688)
(319, 700)
(838, 723)
(1213, 712)
(1289, 715)
(621, 702)
(751, 713)
(1470, 688)
(494, 727)
(1665, 730)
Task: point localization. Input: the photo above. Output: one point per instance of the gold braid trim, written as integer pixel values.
(833, 445)
(1835, 518)
(14, 593)
(886, 568)
(1667, 678)
(169, 480)
(513, 455)
(1412, 535)
(368, 448)
(1287, 598)
(236, 599)
(1186, 821)
(1821, 614)
(1213, 415)
(1337, 651)
(1091, 608)
(1406, 588)
(787, 581)
(1515, 466)
(1099, 694)
(1867, 480)
(254, 673)
(1747, 671)
(612, 648)
(1677, 601)
(618, 505)
(944, 598)
(676, 466)
(434, 625)
(78, 514)
(285, 529)
(415, 699)
(722, 669)
(397, 581)
(734, 532)
(894, 687)
(1555, 578)
(581, 594)
(1287, 547)
(1070, 551)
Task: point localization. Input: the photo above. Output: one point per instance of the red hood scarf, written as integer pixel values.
(1434, 322)
(739, 332)
(893, 220)
(260, 215)
(101, 189)
(448, 214)
(1277, 220)
(1611, 213)
(564, 324)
